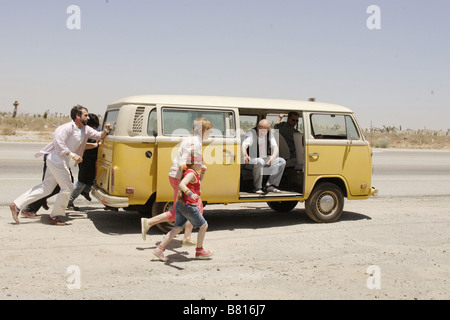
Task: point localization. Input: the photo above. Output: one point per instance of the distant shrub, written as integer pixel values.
(10, 125)
(382, 143)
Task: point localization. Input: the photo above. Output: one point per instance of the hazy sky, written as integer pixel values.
(289, 49)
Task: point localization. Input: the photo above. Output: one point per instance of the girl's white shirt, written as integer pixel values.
(188, 145)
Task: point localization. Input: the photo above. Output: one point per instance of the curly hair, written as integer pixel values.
(76, 111)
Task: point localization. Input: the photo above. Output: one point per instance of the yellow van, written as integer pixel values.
(333, 160)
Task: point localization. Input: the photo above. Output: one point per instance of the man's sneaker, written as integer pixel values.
(15, 212)
(29, 214)
(259, 191)
(272, 189)
(86, 195)
(70, 206)
(200, 253)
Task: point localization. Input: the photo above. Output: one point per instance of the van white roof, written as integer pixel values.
(243, 103)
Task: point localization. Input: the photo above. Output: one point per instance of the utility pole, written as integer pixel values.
(15, 104)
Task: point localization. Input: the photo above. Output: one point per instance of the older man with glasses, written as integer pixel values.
(288, 129)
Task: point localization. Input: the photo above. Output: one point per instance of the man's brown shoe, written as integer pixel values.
(56, 221)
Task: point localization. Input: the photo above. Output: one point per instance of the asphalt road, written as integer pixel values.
(395, 172)
(411, 172)
(19, 169)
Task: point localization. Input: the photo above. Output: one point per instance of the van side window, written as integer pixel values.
(331, 126)
(178, 122)
(152, 128)
(247, 122)
(352, 132)
(111, 117)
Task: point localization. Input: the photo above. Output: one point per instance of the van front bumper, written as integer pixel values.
(110, 201)
(374, 192)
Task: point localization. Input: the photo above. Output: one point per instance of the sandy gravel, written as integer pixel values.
(28, 136)
(258, 254)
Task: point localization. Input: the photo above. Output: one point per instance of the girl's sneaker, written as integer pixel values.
(200, 253)
(188, 243)
(159, 253)
(144, 228)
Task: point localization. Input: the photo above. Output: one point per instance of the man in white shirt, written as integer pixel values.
(66, 150)
(260, 151)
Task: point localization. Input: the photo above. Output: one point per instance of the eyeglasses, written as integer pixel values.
(294, 120)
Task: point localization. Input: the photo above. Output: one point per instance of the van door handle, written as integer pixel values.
(229, 158)
(315, 156)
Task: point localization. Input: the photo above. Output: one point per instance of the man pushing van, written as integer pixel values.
(66, 150)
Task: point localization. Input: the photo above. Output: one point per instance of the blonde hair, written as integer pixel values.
(202, 124)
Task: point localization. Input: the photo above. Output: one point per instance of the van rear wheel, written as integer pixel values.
(325, 203)
(157, 209)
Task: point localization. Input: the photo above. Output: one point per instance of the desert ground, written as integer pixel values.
(394, 246)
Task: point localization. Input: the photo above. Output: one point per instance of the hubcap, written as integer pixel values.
(326, 203)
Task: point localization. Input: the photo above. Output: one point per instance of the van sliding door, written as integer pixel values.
(220, 151)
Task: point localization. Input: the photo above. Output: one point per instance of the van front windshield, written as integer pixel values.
(111, 118)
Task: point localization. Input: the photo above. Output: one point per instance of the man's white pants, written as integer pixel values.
(56, 174)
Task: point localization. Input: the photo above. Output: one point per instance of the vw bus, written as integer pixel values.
(333, 160)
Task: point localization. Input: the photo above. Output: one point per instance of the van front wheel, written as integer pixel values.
(325, 203)
(157, 209)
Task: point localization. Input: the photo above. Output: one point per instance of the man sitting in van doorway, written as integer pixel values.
(260, 151)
